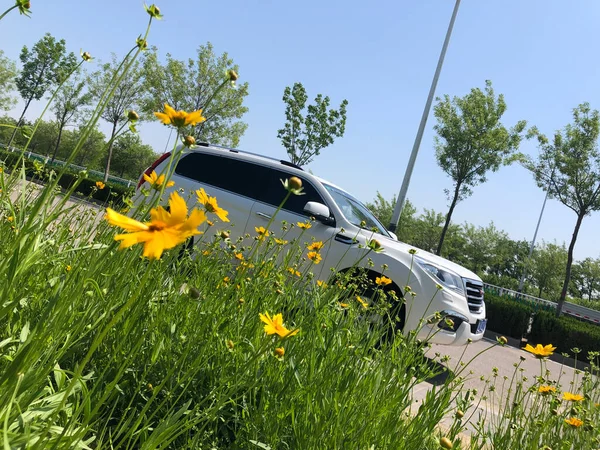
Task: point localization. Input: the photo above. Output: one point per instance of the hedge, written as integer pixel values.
(87, 188)
(507, 316)
(510, 317)
(566, 333)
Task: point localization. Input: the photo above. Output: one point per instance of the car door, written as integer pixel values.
(285, 224)
(224, 178)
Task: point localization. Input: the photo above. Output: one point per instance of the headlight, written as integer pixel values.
(442, 275)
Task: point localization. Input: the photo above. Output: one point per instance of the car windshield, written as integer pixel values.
(355, 212)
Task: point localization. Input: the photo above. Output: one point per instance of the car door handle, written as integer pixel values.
(344, 239)
(263, 215)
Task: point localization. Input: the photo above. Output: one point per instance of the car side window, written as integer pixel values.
(273, 192)
(224, 173)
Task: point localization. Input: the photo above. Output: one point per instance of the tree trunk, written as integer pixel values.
(60, 130)
(110, 149)
(448, 218)
(12, 136)
(563, 294)
(540, 292)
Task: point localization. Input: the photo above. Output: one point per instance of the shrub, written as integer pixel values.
(507, 316)
(565, 333)
(87, 188)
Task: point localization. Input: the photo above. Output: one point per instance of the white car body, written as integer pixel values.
(248, 186)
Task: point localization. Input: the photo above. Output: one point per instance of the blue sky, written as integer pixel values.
(380, 55)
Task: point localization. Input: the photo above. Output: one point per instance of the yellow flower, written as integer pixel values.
(546, 389)
(100, 185)
(275, 325)
(280, 241)
(211, 205)
(540, 351)
(206, 253)
(262, 232)
(294, 271)
(10, 218)
(362, 302)
(156, 181)
(303, 225)
(321, 284)
(314, 257)
(166, 229)
(239, 256)
(343, 305)
(179, 119)
(572, 397)
(382, 281)
(315, 246)
(68, 268)
(279, 352)
(574, 422)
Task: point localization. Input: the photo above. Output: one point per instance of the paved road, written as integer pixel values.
(494, 356)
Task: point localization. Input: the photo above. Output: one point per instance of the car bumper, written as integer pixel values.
(461, 336)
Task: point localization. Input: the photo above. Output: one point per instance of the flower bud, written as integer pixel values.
(446, 443)
(133, 116)
(502, 340)
(232, 75)
(460, 414)
(189, 141)
(86, 56)
(279, 352)
(295, 183)
(224, 235)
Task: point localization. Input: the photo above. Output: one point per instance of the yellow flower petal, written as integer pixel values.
(127, 223)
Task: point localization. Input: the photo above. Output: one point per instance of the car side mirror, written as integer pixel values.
(393, 235)
(320, 212)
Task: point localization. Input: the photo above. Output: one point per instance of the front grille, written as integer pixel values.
(474, 291)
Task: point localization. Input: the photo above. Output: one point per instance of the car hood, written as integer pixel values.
(392, 244)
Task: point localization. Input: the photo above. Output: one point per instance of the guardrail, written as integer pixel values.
(581, 312)
(57, 162)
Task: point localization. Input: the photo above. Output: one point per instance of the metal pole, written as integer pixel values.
(522, 281)
(416, 145)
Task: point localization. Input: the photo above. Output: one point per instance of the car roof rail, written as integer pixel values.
(235, 150)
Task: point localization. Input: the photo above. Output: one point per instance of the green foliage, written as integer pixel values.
(125, 97)
(131, 157)
(115, 194)
(568, 167)
(547, 268)
(189, 86)
(8, 72)
(585, 279)
(45, 65)
(507, 316)
(471, 141)
(69, 106)
(566, 333)
(304, 135)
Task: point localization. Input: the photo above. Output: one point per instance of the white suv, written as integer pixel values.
(249, 187)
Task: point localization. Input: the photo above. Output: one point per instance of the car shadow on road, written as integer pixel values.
(442, 371)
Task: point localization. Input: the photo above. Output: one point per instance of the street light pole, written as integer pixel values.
(417, 143)
(522, 280)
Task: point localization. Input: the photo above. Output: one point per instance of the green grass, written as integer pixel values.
(103, 349)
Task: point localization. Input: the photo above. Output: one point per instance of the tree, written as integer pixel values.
(189, 85)
(44, 138)
(383, 209)
(304, 136)
(91, 151)
(472, 141)
(69, 105)
(585, 279)
(546, 268)
(45, 65)
(569, 169)
(126, 96)
(8, 72)
(131, 156)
